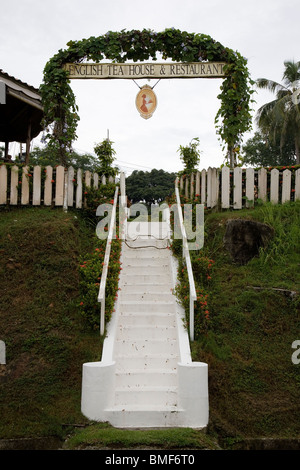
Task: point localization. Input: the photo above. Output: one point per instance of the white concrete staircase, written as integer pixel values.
(146, 349)
(146, 377)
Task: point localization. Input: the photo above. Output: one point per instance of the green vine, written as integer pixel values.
(61, 111)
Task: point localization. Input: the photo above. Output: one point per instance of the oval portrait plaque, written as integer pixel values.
(146, 101)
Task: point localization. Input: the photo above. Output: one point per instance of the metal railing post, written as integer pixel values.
(186, 256)
(101, 295)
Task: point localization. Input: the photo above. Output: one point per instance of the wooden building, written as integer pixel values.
(21, 112)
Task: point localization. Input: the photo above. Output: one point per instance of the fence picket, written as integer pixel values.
(71, 172)
(203, 186)
(262, 184)
(237, 187)
(95, 180)
(208, 192)
(14, 183)
(79, 190)
(3, 184)
(59, 185)
(274, 186)
(48, 186)
(25, 186)
(250, 190)
(36, 194)
(214, 187)
(297, 185)
(197, 188)
(286, 186)
(192, 182)
(225, 187)
(186, 187)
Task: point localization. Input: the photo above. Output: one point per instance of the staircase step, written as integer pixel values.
(145, 278)
(148, 307)
(128, 361)
(153, 319)
(161, 270)
(146, 347)
(154, 416)
(160, 395)
(145, 378)
(146, 296)
(138, 287)
(145, 255)
(138, 262)
(137, 332)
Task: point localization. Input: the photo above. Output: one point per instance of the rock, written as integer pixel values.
(243, 238)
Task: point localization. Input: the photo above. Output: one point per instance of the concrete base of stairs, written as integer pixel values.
(146, 378)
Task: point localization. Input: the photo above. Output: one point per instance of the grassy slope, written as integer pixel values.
(254, 387)
(253, 384)
(46, 340)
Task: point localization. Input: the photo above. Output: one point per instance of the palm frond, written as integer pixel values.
(270, 85)
(291, 73)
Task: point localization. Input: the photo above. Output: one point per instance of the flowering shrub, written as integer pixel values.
(91, 266)
(104, 194)
(202, 269)
(90, 271)
(201, 305)
(203, 276)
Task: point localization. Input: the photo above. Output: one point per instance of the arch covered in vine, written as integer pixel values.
(233, 118)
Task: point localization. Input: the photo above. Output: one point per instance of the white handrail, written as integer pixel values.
(186, 255)
(101, 295)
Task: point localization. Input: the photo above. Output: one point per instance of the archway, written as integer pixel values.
(232, 120)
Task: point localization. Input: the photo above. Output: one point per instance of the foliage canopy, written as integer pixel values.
(260, 151)
(280, 118)
(151, 187)
(105, 153)
(190, 155)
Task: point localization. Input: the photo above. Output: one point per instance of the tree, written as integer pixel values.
(149, 187)
(280, 118)
(50, 156)
(259, 151)
(105, 153)
(190, 155)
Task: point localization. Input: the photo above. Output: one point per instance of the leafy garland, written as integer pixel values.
(61, 111)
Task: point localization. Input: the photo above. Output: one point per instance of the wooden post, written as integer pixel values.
(28, 140)
(6, 151)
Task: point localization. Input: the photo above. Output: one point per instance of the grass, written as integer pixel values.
(46, 339)
(102, 435)
(253, 384)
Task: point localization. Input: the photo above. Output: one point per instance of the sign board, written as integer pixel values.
(146, 70)
(146, 102)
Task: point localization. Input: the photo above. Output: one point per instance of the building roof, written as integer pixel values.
(23, 110)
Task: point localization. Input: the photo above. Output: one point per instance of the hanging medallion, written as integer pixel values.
(146, 102)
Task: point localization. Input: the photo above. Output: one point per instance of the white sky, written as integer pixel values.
(266, 32)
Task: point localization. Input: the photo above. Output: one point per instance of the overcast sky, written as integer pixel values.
(266, 32)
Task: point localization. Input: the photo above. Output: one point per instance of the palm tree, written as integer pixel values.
(281, 117)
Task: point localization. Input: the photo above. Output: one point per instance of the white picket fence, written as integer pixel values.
(223, 188)
(237, 188)
(58, 186)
